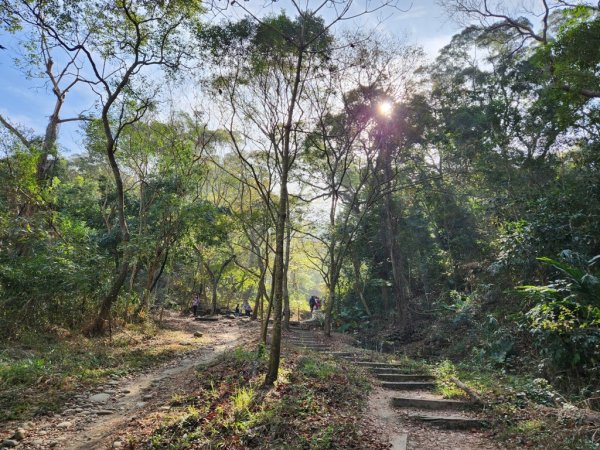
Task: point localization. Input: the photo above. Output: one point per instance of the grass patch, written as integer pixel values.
(40, 372)
(315, 405)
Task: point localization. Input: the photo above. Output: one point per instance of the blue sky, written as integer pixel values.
(28, 102)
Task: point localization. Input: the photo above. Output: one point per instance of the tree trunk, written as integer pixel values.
(278, 276)
(265, 324)
(259, 295)
(215, 284)
(333, 270)
(331, 300)
(113, 294)
(278, 272)
(358, 285)
(390, 230)
(398, 277)
(286, 294)
(102, 320)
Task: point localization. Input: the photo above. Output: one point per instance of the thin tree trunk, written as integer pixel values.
(278, 272)
(286, 294)
(215, 284)
(358, 285)
(102, 319)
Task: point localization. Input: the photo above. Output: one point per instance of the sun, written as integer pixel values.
(385, 107)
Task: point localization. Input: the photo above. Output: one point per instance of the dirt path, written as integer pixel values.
(100, 419)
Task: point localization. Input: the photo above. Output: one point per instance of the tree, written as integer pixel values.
(116, 46)
(563, 48)
(281, 55)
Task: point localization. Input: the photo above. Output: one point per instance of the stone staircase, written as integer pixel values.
(409, 392)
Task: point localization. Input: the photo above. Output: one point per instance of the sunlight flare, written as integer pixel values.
(385, 108)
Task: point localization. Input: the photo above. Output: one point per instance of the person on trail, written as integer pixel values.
(247, 308)
(237, 310)
(311, 303)
(317, 303)
(196, 304)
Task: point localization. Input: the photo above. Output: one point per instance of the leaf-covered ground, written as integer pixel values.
(316, 404)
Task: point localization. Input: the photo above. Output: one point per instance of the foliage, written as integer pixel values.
(565, 318)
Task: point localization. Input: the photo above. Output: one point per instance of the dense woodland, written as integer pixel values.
(451, 205)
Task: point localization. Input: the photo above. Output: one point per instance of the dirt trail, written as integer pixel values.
(100, 419)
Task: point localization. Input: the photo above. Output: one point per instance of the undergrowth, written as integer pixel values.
(40, 372)
(525, 412)
(315, 405)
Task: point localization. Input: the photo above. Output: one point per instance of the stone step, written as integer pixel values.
(404, 377)
(451, 422)
(377, 365)
(429, 403)
(407, 385)
(392, 370)
(312, 347)
(340, 354)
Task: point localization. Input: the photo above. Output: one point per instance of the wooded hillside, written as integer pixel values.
(444, 208)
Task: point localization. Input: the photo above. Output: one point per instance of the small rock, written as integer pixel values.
(113, 383)
(42, 433)
(64, 425)
(198, 334)
(148, 397)
(20, 434)
(125, 391)
(104, 412)
(100, 398)
(37, 442)
(165, 408)
(9, 443)
(117, 444)
(140, 404)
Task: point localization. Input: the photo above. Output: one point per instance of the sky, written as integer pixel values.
(27, 103)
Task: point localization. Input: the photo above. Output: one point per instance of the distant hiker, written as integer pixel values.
(317, 303)
(247, 308)
(312, 303)
(196, 304)
(237, 309)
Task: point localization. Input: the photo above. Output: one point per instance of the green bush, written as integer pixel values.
(565, 318)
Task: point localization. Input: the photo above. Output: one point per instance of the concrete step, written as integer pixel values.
(404, 377)
(310, 347)
(392, 370)
(341, 354)
(376, 365)
(451, 422)
(407, 385)
(427, 403)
